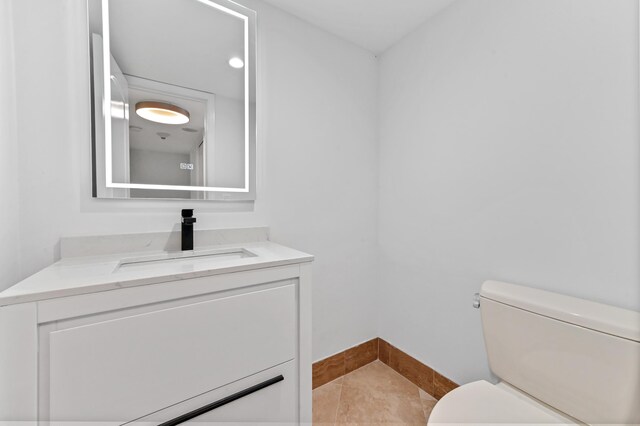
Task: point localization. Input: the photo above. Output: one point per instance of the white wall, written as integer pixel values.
(317, 157)
(9, 163)
(318, 108)
(160, 168)
(509, 151)
(227, 169)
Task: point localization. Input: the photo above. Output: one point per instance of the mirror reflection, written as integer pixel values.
(179, 99)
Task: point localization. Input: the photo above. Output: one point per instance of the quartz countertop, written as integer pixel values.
(82, 275)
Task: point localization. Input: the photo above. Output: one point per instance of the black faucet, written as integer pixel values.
(187, 229)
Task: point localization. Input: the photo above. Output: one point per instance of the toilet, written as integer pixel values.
(559, 360)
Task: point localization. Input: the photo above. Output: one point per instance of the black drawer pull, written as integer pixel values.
(224, 401)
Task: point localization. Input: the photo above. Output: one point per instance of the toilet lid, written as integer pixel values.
(483, 402)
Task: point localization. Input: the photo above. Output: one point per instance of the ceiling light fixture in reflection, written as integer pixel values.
(162, 112)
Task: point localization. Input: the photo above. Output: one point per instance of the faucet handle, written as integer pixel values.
(188, 220)
(187, 213)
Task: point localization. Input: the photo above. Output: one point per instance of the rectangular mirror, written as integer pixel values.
(174, 102)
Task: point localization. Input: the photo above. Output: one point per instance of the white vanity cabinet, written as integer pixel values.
(225, 347)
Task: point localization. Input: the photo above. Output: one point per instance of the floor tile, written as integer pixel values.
(377, 394)
(359, 405)
(337, 381)
(380, 377)
(325, 402)
(373, 394)
(428, 402)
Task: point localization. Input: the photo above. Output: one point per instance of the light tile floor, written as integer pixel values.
(372, 394)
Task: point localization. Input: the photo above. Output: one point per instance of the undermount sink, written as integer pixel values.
(184, 258)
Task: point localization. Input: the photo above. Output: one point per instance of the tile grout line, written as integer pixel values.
(335, 418)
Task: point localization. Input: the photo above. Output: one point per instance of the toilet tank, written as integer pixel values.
(580, 357)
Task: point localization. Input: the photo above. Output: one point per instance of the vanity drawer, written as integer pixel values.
(122, 369)
(267, 397)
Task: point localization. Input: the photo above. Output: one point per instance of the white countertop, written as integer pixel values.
(82, 275)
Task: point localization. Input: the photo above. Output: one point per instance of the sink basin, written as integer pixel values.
(182, 259)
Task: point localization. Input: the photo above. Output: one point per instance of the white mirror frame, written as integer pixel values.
(232, 194)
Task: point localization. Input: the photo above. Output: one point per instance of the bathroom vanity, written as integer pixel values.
(222, 333)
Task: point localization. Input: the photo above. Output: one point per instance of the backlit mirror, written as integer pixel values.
(174, 105)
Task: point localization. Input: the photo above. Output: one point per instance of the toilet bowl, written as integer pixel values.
(484, 403)
(560, 360)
